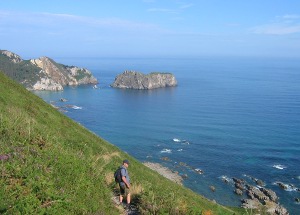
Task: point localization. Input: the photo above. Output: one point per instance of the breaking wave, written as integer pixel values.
(166, 151)
(279, 166)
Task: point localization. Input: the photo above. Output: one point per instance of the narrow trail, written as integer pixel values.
(132, 210)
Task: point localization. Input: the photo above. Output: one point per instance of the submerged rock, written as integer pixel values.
(259, 182)
(199, 171)
(184, 176)
(212, 188)
(282, 185)
(238, 192)
(165, 159)
(239, 181)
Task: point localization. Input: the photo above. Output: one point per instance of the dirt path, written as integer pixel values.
(132, 210)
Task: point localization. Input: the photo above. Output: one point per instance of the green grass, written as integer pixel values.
(56, 166)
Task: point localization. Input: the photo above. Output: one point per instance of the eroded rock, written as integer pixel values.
(238, 192)
(139, 81)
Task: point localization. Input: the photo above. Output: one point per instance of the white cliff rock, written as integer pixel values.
(47, 84)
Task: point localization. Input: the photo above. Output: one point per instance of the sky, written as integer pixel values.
(150, 28)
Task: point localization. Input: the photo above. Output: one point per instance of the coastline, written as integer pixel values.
(164, 171)
(256, 194)
(162, 143)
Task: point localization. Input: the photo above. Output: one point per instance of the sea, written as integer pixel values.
(228, 117)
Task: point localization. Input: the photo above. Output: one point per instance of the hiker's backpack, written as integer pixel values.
(118, 175)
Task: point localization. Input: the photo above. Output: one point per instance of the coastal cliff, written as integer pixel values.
(43, 73)
(139, 81)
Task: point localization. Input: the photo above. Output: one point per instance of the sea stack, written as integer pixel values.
(140, 81)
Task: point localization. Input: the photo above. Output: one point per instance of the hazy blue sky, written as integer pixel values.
(116, 28)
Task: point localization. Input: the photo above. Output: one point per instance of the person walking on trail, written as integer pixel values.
(125, 183)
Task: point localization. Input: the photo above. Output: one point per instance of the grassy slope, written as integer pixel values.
(58, 167)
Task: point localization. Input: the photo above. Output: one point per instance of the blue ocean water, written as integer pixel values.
(229, 117)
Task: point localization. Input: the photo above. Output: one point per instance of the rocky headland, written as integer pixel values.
(43, 73)
(140, 81)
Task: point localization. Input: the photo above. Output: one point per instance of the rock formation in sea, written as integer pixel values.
(258, 197)
(43, 73)
(140, 81)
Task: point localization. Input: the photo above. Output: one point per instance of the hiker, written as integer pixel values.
(125, 183)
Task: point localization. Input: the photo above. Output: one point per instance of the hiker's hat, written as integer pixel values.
(126, 161)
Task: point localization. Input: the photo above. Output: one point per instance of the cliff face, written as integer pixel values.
(12, 56)
(43, 73)
(60, 75)
(139, 81)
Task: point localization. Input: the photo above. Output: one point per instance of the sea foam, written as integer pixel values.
(279, 166)
(166, 151)
(286, 187)
(77, 107)
(226, 179)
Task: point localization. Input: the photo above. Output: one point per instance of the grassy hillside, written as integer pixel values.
(52, 165)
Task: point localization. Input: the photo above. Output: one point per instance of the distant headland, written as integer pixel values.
(140, 81)
(43, 73)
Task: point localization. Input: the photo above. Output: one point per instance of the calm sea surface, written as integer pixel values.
(229, 117)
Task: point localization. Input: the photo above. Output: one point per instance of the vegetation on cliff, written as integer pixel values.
(19, 71)
(52, 165)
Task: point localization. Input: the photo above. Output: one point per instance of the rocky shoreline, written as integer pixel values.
(258, 197)
(254, 194)
(164, 171)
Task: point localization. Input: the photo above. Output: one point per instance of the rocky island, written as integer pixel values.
(140, 81)
(43, 73)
